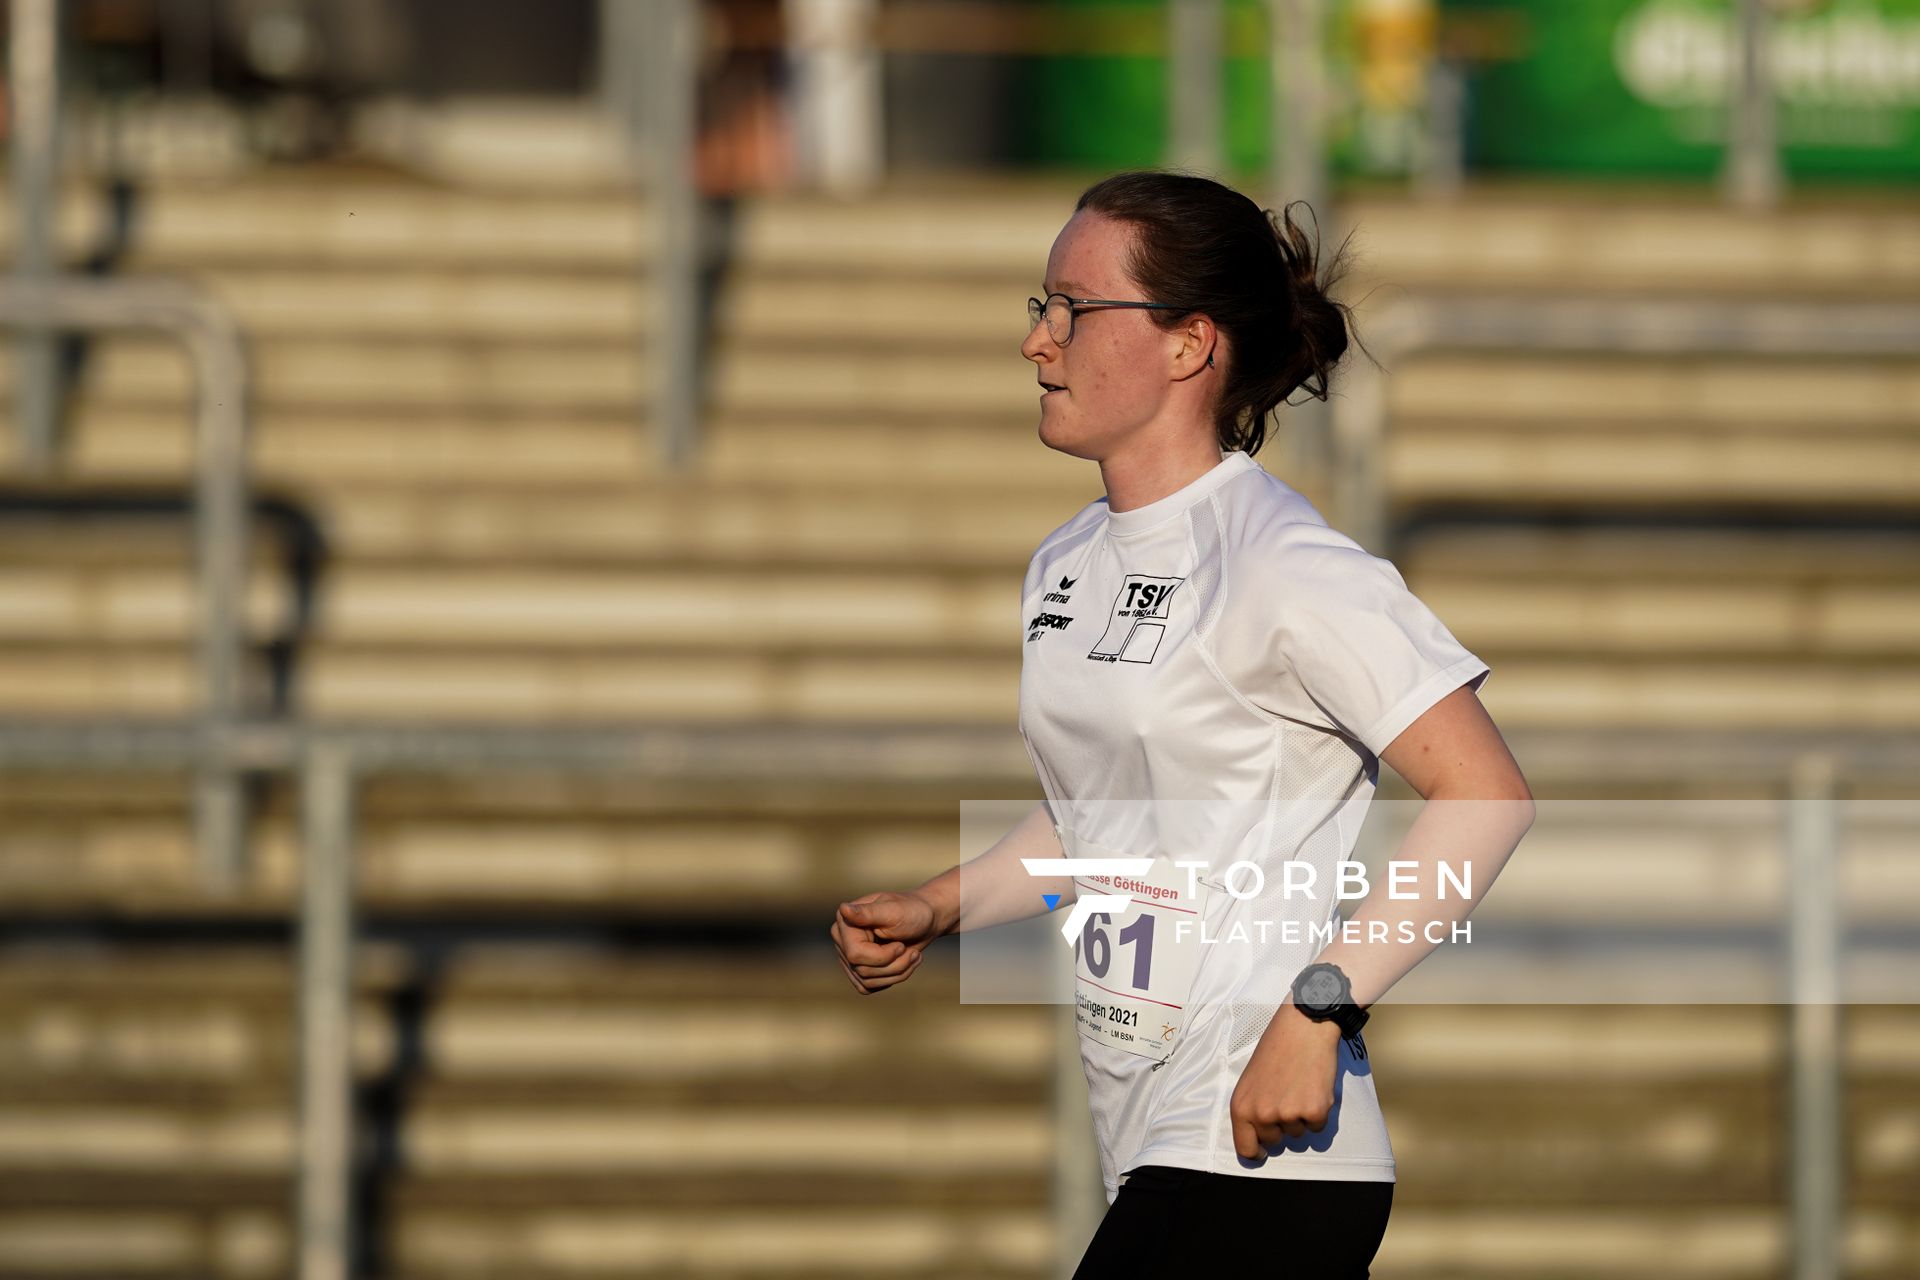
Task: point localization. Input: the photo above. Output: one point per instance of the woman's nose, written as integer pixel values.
(1037, 343)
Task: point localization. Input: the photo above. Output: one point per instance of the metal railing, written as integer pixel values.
(1597, 325)
(1673, 327)
(220, 745)
(331, 761)
(647, 84)
(214, 345)
(33, 73)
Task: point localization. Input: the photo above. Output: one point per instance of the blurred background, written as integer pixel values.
(512, 511)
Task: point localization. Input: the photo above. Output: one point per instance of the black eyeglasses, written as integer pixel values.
(1059, 311)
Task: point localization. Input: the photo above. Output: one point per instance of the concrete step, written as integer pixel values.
(570, 1242)
(1640, 397)
(336, 221)
(335, 455)
(590, 302)
(543, 1115)
(373, 374)
(451, 608)
(918, 531)
(1726, 1242)
(341, 453)
(566, 1242)
(523, 418)
(1567, 236)
(1613, 551)
(1711, 1145)
(1705, 615)
(919, 534)
(745, 608)
(860, 685)
(110, 1016)
(690, 683)
(807, 374)
(582, 1137)
(1581, 865)
(1497, 464)
(567, 376)
(551, 1242)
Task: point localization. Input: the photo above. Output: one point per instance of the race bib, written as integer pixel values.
(1134, 966)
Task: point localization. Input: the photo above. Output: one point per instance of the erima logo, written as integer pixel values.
(1060, 596)
(1086, 904)
(1066, 584)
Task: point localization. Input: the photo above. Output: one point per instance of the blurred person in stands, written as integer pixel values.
(744, 145)
(1209, 668)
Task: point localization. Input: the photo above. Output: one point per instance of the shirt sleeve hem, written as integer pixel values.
(1380, 735)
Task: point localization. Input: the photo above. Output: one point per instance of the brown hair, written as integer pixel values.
(1204, 247)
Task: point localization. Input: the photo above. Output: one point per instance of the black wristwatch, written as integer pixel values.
(1322, 992)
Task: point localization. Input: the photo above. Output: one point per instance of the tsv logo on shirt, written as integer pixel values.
(1132, 635)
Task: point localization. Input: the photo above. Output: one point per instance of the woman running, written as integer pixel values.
(1211, 676)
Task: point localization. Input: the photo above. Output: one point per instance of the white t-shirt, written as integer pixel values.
(1215, 674)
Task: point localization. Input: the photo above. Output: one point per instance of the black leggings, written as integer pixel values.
(1174, 1222)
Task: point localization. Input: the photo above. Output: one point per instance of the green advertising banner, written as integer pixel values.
(1626, 87)
(1102, 101)
(1642, 86)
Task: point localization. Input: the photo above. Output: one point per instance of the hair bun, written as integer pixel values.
(1199, 246)
(1315, 319)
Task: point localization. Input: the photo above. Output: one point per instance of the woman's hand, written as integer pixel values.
(1287, 1087)
(880, 938)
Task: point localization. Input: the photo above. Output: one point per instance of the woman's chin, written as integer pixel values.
(1053, 429)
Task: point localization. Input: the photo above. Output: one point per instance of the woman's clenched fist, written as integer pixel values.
(880, 938)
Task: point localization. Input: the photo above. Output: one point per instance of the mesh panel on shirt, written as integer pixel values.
(1203, 540)
(1249, 1022)
(1318, 772)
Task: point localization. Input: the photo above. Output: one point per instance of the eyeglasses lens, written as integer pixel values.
(1058, 313)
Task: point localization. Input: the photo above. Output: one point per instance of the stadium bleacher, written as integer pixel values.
(559, 1077)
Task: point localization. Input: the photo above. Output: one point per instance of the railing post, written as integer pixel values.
(1442, 166)
(617, 73)
(1752, 177)
(1193, 84)
(33, 74)
(1591, 323)
(1816, 1160)
(324, 1208)
(1359, 428)
(669, 83)
(218, 353)
(222, 536)
(1298, 167)
(1297, 147)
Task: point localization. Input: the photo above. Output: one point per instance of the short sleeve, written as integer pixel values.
(1313, 627)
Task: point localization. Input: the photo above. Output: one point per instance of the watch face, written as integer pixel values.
(1321, 989)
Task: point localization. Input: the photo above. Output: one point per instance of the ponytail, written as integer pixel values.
(1201, 246)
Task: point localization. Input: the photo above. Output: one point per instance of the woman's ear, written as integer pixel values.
(1199, 336)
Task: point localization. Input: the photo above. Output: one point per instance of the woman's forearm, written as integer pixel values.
(997, 887)
(1474, 837)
